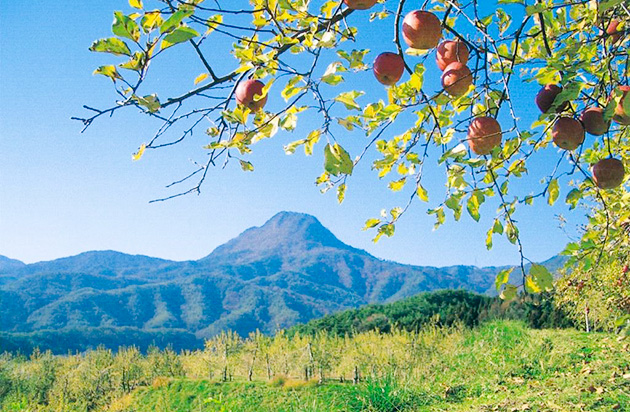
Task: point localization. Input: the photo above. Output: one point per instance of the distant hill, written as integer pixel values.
(440, 308)
(290, 270)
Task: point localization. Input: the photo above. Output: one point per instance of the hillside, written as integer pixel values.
(290, 270)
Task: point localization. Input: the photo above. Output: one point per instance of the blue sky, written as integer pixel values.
(63, 192)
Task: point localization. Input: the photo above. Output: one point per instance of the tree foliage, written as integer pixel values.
(309, 56)
(444, 308)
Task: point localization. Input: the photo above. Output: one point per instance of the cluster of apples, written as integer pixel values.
(423, 30)
(569, 133)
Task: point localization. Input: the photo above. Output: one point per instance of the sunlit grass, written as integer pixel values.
(501, 366)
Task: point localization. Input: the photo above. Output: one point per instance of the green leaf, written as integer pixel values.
(453, 203)
(109, 71)
(512, 233)
(341, 193)
(530, 10)
(371, 223)
(553, 191)
(509, 293)
(332, 79)
(608, 4)
(348, 98)
(440, 216)
(502, 278)
(497, 227)
(173, 22)
(123, 26)
(489, 239)
(111, 45)
(135, 63)
(387, 230)
(337, 160)
(475, 200)
(179, 35)
(246, 166)
(573, 197)
(541, 278)
(150, 102)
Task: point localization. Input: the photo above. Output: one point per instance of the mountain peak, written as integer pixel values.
(284, 233)
(8, 263)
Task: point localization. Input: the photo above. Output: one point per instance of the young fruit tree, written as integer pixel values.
(292, 59)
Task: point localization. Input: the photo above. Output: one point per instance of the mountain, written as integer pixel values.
(290, 270)
(9, 264)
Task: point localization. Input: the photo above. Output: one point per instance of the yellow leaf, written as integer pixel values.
(109, 71)
(136, 156)
(531, 285)
(136, 4)
(421, 192)
(213, 22)
(201, 78)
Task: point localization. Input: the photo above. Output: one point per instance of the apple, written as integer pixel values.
(246, 92)
(579, 287)
(359, 4)
(611, 30)
(546, 97)
(388, 68)
(621, 116)
(484, 134)
(608, 173)
(625, 269)
(456, 79)
(568, 133)
(593, 121)
(421, 30)
(451, 51)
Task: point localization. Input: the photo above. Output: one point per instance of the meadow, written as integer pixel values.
(500, 365)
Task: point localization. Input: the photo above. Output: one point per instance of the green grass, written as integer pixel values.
(501, 366)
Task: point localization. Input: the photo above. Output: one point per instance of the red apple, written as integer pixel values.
(625, 269)
(568, 133)
(388, 68)
(621, 116)
(451, 51)
(246, 92)
(546, 97)
(359, 4)
(456, 79)
(608, 173)
(593, 121)
(484, 134)
(611, 30)
(421, 30)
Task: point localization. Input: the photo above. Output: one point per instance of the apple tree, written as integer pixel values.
(300, 57)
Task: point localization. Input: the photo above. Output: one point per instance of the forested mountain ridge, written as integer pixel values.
(290, 270)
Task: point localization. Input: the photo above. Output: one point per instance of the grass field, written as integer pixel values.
(500, 366)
